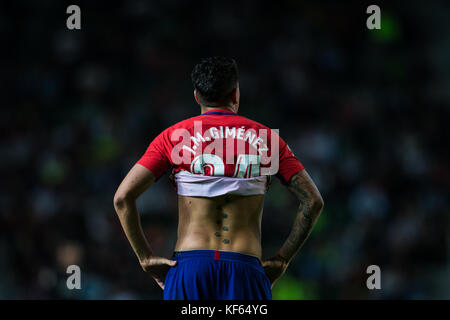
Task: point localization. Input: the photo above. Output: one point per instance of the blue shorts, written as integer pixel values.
(216, 275)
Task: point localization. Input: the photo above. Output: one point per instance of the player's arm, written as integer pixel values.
(309, 209)
(133, 185)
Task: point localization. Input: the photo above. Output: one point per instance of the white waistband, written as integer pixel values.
(195, 185)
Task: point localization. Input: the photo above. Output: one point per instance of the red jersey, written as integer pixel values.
(220, 143)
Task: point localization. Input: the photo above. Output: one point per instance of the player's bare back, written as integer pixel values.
(228, 222)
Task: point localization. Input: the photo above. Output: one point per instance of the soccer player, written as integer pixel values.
(221, 164)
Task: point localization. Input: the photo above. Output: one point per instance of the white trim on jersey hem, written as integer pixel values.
(196, 185)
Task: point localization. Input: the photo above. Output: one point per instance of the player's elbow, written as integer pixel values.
(119, 201)
(317, 203)
(121, 198)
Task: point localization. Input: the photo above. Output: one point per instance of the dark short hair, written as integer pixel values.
(214, 78)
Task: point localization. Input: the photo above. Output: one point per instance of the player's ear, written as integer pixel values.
(196, 96)
(235, 95)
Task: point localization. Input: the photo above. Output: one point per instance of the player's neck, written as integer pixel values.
(232, 108)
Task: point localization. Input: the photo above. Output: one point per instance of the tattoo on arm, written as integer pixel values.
(309, 209)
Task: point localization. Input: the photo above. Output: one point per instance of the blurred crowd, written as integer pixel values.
(365, 111)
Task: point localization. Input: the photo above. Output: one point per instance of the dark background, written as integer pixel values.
(365, 111)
